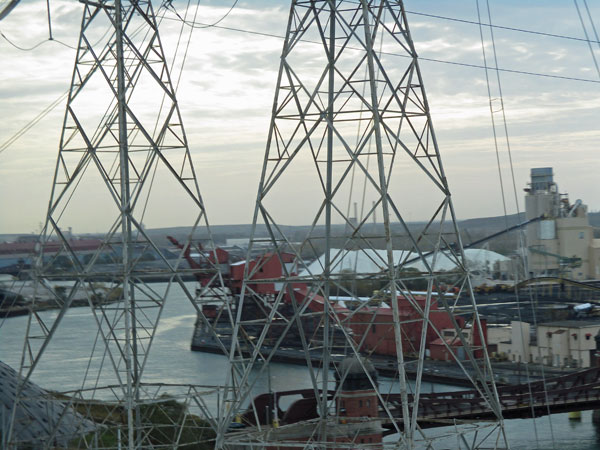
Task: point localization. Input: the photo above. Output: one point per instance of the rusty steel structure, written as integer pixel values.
(573, 392)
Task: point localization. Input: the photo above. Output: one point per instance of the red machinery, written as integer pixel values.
(371, 325)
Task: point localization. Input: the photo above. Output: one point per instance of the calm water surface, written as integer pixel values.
(67, 358)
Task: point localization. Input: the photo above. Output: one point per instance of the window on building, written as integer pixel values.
(581, 235)
(374, 328)
(360, 403)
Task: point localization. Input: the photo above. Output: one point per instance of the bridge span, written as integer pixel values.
(574, 392)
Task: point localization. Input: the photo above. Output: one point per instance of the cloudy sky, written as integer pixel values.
(228, 82)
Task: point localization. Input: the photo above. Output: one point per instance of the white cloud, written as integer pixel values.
(227, 89)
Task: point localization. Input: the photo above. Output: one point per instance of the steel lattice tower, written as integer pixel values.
(351, 115)
(123, 151)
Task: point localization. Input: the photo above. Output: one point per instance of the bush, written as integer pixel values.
(166, 423)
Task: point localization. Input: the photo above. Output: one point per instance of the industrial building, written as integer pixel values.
(562, 243)
(565, 343)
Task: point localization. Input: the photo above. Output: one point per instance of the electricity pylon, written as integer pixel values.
(123, 161)
(350, 120)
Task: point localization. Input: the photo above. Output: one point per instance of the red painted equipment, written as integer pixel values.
(372, 325)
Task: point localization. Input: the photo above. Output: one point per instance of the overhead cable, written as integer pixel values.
(500, 27)
(28, 49)
(33, 122)
(499, 167)
(586, 33)
(514, 186)
(169, 5)
(10, 141)
(8, 8)
(592, 23)
(5, 12)
(441, 61)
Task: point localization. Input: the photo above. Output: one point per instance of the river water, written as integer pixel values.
(171, 361)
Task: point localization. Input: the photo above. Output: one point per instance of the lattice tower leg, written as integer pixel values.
(351, 115)
(123, 161)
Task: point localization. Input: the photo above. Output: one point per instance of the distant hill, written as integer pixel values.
(496, 223)
(471, 230)
(492, 224)
(12, 237)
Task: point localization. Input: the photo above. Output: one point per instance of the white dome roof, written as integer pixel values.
(375, 261)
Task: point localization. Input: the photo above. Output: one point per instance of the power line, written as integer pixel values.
(50, 37)
(195, 24)
(33, 122)
(500, 27)
(28, 49)
(514, 186)
(5, 10)
(520, 72)
(441, 61)
(591, 22)
(586, 33)
(202, 25)
(10, 141)
(168, 4)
